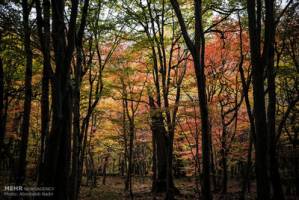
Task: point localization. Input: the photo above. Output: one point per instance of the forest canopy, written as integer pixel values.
(149, 99)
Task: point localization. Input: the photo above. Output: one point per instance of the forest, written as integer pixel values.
(149, 99)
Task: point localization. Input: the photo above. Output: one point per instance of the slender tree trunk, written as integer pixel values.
(206, 189)
(124, 126)
(154, 159)
(171, 190)
(199, 64)
(76, 123)
(246, 177)
(104, 170)
(76, 129)
(2, 133)
(245, 86)
(45, 45)
(258, 67)
(84, 134)
(274, 166)
(130, 167)
(76, 106)
(93, 175)
(271, 112)
(213, 167)
(3, 110)
(82, 147)
(197, 163)
(197, 50)
(261, 153)
(21, 171)
(224, 161)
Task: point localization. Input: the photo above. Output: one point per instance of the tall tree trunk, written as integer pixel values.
(76, 144)
(84, 130)
(261, 153)
(259, 62)
(213, 167)
(57, 153)
(206, 188)
(104, 170)
(76, 127)
(197, 162)
(271, 112)
(245, 86)
(76, 122)
(274, 166)
(197, 50)
(154, 160)
(82, 148)
(130, 167)
(21, 171)
(2, 134)
(43, 23)
(199, 64)
(3, 109)
(124, 126)
(224, 160)
(159, 132)
(170, 188)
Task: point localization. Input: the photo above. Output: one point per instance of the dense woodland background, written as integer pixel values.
(150, 99)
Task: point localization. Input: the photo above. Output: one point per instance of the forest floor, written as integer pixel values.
(114, 190)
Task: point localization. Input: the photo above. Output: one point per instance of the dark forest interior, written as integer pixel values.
(149, 99)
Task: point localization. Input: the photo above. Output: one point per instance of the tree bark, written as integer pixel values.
(21, 171)
(271, 112)
(2, 133)
(130, 163)
(159, 132)
(57, 153)
(197, 50)
(213, 167)
(224, 160)
(43, 23)
(252, 135)
(154, 159)
(259, 63)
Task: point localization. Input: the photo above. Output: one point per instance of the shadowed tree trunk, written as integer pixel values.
(43, 24)
(76, 104)
(57, 153)
(3, 108)
(262, 61)
(154, 25)
(154, 155)
(2, 133)
(159, 132)
(213, 167)
(271, 111)
(105, 170)
(197, 50)
(130, 108)
(124, 127)
(21, 170)
(245, 86)
(130, 160)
